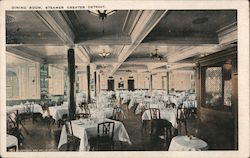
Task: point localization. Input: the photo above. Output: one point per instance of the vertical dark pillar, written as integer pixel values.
(88, 81)
(151, 85)
(95, 82)
(167, 82)
(71, 74)
(99, 82)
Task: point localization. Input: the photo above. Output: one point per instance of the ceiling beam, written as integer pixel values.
(57, 23)
(84, 53)
(62, 61)
(228, 34)
(133, 67)
(120, 39)
(104, 61)
(191, 52)
(25, 54)
(181, 65)
(183, 40)
(143, 61)
(173, 67)
(142, 26)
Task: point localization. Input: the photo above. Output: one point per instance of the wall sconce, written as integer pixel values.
(228, 65)
(33, 80)
(227, 69)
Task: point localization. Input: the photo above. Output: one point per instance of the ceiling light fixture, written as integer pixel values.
(156, 55)
(102, 14)
(104, 54)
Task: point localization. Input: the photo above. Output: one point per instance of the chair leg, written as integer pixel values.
(180, 128)
(185, 124)
(67, 146)
(120, 144)
(143, 128)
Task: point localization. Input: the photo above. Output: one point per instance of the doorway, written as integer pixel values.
(111, 85)
(131, 85)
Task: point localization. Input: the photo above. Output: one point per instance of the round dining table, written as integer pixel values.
(187, 143)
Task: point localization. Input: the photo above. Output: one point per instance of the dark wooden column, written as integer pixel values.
(95, 83)
(99, 82)
(150, 82)
(88, 82)
(71, 74)
(167, 82)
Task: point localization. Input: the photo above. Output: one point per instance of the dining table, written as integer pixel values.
(57, 112)
(168, 114)
(85, 129)
(148, 104)
(21, 108)
(187, 143)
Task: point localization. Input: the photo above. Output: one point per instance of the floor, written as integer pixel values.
(41, 137)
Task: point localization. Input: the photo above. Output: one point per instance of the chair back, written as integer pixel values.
(106, 129)
(118, 114)
(180, 114)
(12, 121)
(69, 129)
(155, 113)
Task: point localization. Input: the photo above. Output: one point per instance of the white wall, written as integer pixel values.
(179, 80)
(28, 74)
(56, 82)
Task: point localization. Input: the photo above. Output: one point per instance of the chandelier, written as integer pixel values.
(156, 55)
(102, 14)
(104, 54)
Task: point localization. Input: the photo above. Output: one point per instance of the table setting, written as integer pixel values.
(87, 128)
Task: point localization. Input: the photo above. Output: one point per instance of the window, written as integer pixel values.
(12, 89)
(218, 87)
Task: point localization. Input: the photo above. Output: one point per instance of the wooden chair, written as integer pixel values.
(71, 139)
(155, 121)
(104, 139)
(118, 114)
(13, 126)
(160, 126)
(62, 120)
(181, 119)
(28, 112)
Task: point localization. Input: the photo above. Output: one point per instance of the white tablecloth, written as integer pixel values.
(58, 111)
(107, 112)
(12, 141)
(85, 131)
(141, 106)
(167, 114)
(184, 143)
(20, 108)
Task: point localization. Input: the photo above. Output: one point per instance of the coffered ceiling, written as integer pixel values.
(130, 36)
